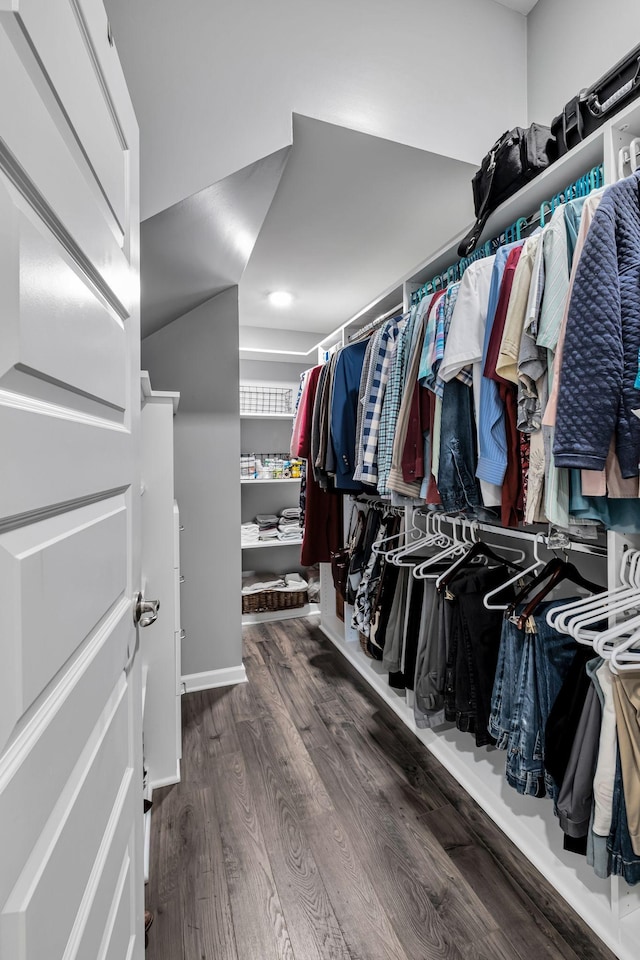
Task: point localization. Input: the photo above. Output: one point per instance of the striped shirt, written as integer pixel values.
(393, 397)
(383, 355)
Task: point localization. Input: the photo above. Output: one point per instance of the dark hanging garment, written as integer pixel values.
(323, 509)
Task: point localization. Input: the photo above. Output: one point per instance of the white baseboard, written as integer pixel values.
(214, 678)
(166, 781)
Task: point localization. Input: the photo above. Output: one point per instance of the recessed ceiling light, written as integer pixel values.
(280, 298)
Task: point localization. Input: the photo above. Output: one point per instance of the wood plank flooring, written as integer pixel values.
(311, 825)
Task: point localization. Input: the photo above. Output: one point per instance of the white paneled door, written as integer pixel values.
(70, 702)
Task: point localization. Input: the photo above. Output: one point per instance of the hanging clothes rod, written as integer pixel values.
(375, 323)
(562, 543)
(581, 187)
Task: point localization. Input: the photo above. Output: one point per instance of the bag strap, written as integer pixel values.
(578, 125)
(469, 243)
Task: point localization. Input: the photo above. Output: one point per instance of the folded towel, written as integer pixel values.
(266, 519)
(269, 534)
(293, 534)
(290, 513)
(249, 532)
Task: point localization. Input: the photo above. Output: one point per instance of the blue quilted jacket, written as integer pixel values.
(601, 357)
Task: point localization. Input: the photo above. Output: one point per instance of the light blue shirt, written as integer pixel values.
(492, 434)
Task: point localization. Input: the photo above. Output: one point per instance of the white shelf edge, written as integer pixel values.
(268, 544)
(272, 616)
(266, 416)
(589, 905)
(255, 482)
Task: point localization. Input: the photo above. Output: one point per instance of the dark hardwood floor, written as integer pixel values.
(311, 825)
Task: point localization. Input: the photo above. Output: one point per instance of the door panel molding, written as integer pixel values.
(25, 186)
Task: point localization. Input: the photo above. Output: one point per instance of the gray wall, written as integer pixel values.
(570, 44)
(274, 370)
(197, 354)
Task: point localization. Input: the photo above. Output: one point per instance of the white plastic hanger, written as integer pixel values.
(626, 655)
(456, 547)
(473, 529)
(575, 616)
(605, 641)
(609, 606)
(416, 539)
(432, 536)
(537, 563)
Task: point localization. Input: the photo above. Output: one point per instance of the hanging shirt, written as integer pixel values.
(492, 459)
(509, 350)
(366, 380)
(464, 345)
(393, 397)
(346, 388)
(396, 482)
(367, 467)
(556, 285)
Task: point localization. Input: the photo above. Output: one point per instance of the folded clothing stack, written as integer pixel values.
(293, 534)
(267, 526)
(285, 583)
(289, 524)
(249, 533)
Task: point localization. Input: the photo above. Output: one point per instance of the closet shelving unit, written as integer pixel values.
(260, 432)
(609, 907)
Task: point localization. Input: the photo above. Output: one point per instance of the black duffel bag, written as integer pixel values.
(593, 105)
(515, 159)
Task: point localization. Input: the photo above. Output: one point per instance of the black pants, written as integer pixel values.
(472, 649)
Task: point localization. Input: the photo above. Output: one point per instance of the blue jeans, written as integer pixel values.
(624, 862)
(459, 489)
(530, 673)
(501, 719)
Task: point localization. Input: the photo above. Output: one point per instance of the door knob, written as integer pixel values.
(145, 611)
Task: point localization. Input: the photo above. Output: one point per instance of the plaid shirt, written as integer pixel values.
(366, 380)
(383, 355)
(393, 398)
(435, 342)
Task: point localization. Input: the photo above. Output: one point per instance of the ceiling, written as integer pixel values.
(199, 247)
(522, 6)
(351, 214)
(335, 219)
(333, 214)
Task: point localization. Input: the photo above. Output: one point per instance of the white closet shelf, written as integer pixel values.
(255, 482)
(266, 416)
(261, 544)
(270, 616)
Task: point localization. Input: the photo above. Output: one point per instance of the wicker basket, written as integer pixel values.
(267, 600)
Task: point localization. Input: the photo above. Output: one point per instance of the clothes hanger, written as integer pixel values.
(626, 655)
(521, 223)
(576, 616)
(457, 546)
(377, 545)
(537, 563)
(609, 604)
(479, 548)
(543, 207)
(428, 537)
(565, 571)
(559, 616)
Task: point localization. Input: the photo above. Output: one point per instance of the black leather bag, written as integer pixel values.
(593, 105)
(515, 159)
